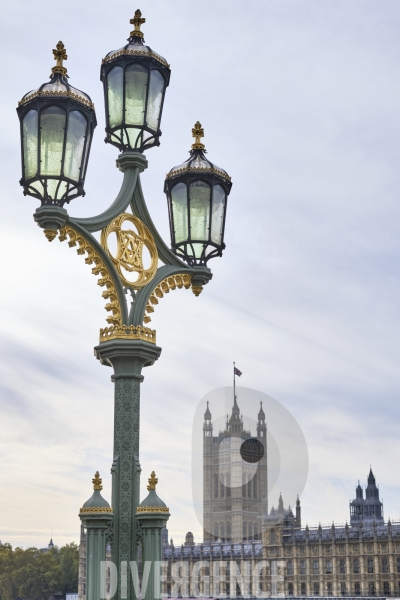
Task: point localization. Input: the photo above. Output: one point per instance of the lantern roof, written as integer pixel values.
(197, 162)
(58, 84)
(135, 45)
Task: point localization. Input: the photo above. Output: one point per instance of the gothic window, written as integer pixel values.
(343, 589)
(222, 487)
(250, 531)
(356, 565)
(222, 531)
(244, 486)
(228, 530)
(316, 589)
(249, 486)
(370, 565)
(228, 485)
(255, 486)
(315, 567)
(329, 567)
(342, 566)
(290, 567)
(255, 531)
(290, 589)
(329, 588)
(357, 588)
(216, 531)
(398, 568)
(385, 565)
(272, 536)
(244, 530)
(302, 567)
(215, 486)
(303, 589)
(386, 588)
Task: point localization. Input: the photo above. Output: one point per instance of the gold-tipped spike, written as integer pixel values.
(60, 55)
(97, 481)
(137, 21)
(152, 481)
(198, 133)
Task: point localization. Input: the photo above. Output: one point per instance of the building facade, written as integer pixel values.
(235, 484)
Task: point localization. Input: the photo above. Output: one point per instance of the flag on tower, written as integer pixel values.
(237, 372)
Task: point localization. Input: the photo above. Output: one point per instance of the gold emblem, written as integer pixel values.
(130, 247)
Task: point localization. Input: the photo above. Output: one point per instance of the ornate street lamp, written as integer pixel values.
(135, 79)
(197, 193)
(57, 123)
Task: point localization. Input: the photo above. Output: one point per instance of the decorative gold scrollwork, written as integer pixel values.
(152, 509)
(128, 332)
(129, 256)
(167, 284)
(100, 268)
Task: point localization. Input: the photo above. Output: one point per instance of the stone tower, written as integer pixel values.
(368, 509)
(235, 491)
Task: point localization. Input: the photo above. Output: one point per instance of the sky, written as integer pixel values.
(299, 100)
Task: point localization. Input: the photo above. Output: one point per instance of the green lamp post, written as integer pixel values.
(57, 123)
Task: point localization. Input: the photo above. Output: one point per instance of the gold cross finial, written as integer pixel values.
(137, 21)
(152, 481)
(198, 133)
(60, 55)
(97, 481)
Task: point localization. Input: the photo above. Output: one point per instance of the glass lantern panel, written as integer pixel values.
(180, 212)
(218, 209)
(155, 99)
(30, 143)
(77, 126)
(136, 78)
(115, 81)
(199, 195)
(132, 135)
(52, 126)
(198, 250)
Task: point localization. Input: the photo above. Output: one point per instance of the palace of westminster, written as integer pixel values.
(250, 551)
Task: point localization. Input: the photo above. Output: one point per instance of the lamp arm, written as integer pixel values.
(131, 164)
(139, 209)
(196, 276)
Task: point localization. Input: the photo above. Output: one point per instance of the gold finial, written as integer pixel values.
(152, 481)
(198, 133)
(137, 21)
(60, 55)
(97, 481)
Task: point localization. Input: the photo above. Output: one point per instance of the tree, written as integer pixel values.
(34, 574)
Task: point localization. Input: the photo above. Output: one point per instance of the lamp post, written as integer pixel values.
(57, 123)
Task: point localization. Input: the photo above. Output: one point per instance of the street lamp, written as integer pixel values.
(57, 123)
(55, 143)
(197, 192)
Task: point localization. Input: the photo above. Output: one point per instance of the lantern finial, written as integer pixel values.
(137, 21)
(60, 55)
(198, 133)
(152, 481)
(97, 481)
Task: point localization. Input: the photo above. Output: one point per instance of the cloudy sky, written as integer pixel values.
(299, 100)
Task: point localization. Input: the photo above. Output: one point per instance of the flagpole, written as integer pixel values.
(234, 384)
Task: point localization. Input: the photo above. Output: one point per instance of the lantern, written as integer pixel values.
(57, 123)
(197, 193)
(135, 79)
